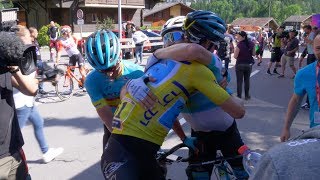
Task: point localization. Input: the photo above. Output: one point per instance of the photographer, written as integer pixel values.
(12, 160)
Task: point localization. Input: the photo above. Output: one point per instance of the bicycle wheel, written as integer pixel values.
(64, 89)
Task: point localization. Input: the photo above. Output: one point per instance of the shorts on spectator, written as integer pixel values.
(285, 59)
(53, 44)
(276, 55)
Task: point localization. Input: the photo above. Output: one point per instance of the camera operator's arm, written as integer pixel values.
(28, 85)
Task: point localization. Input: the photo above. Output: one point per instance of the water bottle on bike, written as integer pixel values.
(250, 159)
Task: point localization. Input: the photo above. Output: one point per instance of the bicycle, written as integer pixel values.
(65, 87)
(222, 168)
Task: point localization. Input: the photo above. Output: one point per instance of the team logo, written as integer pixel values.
(111, 168)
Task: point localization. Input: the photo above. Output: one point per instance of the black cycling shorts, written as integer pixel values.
(76, 58)
(130, 158)
(276, 54)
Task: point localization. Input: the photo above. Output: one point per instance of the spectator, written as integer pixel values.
(53, 32)
(260, 47)
(305, 83)
(226, 48)
(243, 54)
(130, 28)
(12, 160)
(295, 159)
(26, 111)
(308, 39)
(139, 38)
(34, 35)
(276, 53)
(292, 46)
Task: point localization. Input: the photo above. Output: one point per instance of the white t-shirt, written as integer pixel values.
(21, 99)
(69, 45)
(139, 37)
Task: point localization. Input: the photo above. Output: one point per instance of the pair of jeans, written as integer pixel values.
(243, 72)
(32, 114)
(139, 53)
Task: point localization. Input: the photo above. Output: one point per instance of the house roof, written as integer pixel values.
(297, 18)
(253, 21)
(162, 6)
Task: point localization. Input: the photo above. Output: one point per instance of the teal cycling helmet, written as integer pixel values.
(103, 49)
(204, 25)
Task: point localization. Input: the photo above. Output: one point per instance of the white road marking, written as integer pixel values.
(254, 73)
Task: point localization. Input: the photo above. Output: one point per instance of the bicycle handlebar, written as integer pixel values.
(162, 156)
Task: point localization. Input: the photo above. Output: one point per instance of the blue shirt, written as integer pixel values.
(104, 91)
(305, 82)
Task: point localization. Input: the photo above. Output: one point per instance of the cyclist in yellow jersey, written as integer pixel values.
(138, 133)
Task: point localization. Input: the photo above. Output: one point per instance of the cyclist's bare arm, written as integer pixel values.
(185, 52)
(106, 116)
(234, 107)
(293, 109)
(178, 130)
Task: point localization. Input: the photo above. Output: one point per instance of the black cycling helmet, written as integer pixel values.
(201, 25)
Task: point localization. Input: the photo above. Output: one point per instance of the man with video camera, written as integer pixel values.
(17, 60)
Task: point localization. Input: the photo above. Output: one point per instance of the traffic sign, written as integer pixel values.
(80, 21)
(80, 14)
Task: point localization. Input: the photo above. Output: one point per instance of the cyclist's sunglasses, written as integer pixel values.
(172, 37)
(111, 69)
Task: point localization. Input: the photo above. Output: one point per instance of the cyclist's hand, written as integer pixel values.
(285, 135)
(151, 61)
(141, 93)
(190, 142)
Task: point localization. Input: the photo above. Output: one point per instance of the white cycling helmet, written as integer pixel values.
(65, 29)
(175, 23)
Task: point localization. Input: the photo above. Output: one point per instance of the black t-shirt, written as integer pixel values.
(10, 135)
(35, 42)
(53, 32)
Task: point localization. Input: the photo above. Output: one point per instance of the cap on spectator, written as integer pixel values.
(242, 33)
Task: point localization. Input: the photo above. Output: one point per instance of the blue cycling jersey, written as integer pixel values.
(104, 91)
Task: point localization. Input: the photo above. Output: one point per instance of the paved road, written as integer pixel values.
(75, 126)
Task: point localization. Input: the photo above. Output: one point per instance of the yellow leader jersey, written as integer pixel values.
(175, 82)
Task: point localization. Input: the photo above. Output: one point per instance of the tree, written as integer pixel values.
(6, 4)
(105, 24)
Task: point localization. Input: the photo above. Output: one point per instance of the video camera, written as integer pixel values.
(12, 50)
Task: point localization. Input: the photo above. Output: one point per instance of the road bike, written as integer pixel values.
(222, 168)
(65, 85)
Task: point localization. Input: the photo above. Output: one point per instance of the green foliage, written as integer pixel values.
(105, 24)
(43, 37)
(280, 10)
(6, 4)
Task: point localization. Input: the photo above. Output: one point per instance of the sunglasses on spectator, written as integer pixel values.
(172, 37)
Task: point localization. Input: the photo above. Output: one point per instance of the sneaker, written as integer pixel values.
(268, 72)
(281, 76)
(305, 106)
(51, 154)
(275, 71)
(247, 98)
(259, 63)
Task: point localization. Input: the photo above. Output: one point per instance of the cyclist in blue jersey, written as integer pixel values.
(138, 133)
(105, 82)
(219, 132)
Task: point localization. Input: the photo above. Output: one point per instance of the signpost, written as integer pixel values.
(80, 20)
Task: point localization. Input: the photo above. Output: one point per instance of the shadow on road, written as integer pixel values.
(93, 172)
(88, 125)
